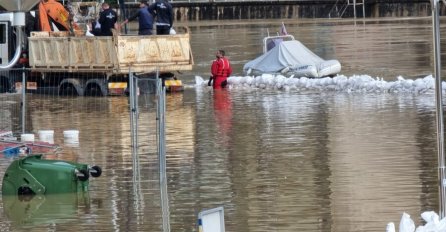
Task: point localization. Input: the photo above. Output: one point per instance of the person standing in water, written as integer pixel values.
(221, 69)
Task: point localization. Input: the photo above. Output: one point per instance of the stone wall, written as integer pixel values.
(185, 11)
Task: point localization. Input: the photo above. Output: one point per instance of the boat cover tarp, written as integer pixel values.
(292, 55)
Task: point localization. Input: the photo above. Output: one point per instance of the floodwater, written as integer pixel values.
(276, 160)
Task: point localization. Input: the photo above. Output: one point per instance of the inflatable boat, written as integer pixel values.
(287, 56)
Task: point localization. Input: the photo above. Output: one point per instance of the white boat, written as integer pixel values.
(283, 54)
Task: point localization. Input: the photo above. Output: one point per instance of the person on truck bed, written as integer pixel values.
(145, 19)
(163, 12)
(107, 19)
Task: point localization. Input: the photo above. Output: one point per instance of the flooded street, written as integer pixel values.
(275, 159)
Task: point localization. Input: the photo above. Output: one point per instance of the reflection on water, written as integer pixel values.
(276, 160)
(40, 211)
(223, 115)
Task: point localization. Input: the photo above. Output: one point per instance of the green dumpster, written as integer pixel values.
(33, 175)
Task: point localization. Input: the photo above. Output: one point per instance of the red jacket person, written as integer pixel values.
(221, 69)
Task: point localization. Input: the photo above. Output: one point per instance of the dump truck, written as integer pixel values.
(69, 62)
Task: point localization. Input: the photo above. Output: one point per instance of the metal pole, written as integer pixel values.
(439, 107)
(23, 100)
(131, 105)
(135, 107)
(161, 115)
(363, 8)
(132, 111)
(354, 8)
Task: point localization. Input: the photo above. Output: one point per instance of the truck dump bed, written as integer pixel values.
(58, 52)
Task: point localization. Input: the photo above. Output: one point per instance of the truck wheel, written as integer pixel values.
(68, 90)
(4, 85)
(83, 175)
(25, 190)
(93, 90)
(95, 171)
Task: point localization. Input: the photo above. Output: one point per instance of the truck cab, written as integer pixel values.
(7, 49)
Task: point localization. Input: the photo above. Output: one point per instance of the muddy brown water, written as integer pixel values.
(275, 160)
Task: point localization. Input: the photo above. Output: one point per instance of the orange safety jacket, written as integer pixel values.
(221, 68)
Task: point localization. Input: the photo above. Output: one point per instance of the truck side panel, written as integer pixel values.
(147, 53)
(117, 54)
(92, 54)
(49, 53)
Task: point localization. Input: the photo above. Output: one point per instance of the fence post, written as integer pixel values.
(23, 106)
(133, 111)
(161, 115)
(439, 108)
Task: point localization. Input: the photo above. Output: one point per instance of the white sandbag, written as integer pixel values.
(97, 25)
(441, 226)
(329, 67)
(88, 33)
(430, 217)
(199, 81)
(27, 137)
(390, 227)
(432, 222)
(406, 224)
